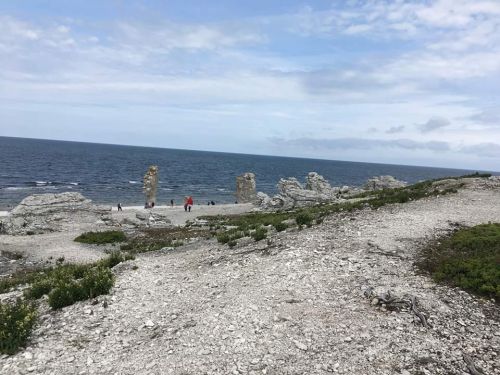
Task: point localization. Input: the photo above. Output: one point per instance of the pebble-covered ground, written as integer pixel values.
(293, 305)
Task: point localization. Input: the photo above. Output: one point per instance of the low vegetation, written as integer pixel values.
(101, 238)
(64, 284)
(68, 283)
(16, 322)
(469, 258)
(154, 239)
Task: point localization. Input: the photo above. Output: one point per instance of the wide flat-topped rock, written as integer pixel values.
(42, 213)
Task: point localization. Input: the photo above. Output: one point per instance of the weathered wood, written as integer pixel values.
(473, 370)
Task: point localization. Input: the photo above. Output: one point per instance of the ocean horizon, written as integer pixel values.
(108, 173)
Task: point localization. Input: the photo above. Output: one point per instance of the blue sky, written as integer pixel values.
(405, 82)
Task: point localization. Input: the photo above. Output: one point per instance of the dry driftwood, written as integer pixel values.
(473, 370)
(392, 302)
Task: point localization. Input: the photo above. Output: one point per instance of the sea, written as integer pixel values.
(112, 174)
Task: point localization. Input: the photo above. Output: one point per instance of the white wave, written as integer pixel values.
(167, 189)
(17, 188)
(74, 183)
(133, 182)
(222, 189)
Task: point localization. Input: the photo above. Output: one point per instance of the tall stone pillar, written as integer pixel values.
(151, 184)
(246, 188)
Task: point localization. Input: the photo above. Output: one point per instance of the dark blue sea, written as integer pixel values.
(112, 173)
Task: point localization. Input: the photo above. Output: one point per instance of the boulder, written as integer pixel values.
(246, 188)
(42, 213)
(383, 182)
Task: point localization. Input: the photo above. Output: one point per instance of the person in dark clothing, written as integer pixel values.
(171, 202)
(120, 207)
(212, 203)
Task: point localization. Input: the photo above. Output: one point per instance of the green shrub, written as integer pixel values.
(304, 219)
(97, 281)
(65, 294)
(100, 238)
(280, 227)
(259, 234)
(39, 288)
(16, 322)
(223, 238)
(469, 259)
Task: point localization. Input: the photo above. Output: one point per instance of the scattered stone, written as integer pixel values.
(300, 345)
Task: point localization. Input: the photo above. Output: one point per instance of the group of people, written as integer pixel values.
(188, 204)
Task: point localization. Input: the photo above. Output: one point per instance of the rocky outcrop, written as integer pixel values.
(246, 188)
(42, 213)
(293, 195)
(383, 182)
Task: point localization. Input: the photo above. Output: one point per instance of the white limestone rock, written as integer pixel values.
(383, 182)
(43, 213)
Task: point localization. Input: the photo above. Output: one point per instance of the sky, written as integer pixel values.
(400, 82)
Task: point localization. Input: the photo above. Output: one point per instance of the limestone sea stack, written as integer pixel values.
(151, 184)
(246, 188)
(43, 213)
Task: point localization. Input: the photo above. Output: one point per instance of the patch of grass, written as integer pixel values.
(154, 239)
(16, 323)
(469, 259)
(259, 234)
(101, 238)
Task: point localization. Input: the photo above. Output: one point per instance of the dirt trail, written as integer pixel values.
(295, 306)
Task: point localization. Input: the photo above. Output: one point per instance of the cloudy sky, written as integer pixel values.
(403, 82)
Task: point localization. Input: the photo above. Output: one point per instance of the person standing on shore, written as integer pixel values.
(171, 202)
(186, 203)
(120, 207)
(190, 203)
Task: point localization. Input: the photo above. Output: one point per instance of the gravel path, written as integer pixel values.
(294, 306)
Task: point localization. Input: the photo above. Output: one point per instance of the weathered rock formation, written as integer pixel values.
(151, 184)
(42, 213)
(383, 182)
(292, 194)
(246, 188)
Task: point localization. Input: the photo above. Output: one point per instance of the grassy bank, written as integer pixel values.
(469, 258)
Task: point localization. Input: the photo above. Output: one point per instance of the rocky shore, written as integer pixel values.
(292, 304)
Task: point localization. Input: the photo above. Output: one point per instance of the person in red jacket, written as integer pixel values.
(190, 203)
